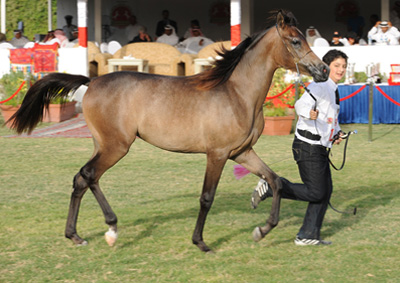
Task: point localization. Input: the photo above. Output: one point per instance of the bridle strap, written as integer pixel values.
(296, 60)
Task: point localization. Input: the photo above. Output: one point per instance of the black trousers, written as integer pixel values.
(313, 164)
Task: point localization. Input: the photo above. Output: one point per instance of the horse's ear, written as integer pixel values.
(280, 19)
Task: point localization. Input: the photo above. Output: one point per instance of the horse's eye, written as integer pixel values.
(296, 42)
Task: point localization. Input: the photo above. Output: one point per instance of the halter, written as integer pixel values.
(296, 62)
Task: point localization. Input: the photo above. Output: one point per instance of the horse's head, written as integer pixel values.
(299, 56)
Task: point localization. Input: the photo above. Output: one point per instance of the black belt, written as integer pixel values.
(308, 135)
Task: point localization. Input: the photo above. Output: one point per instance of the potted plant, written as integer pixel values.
(278, 120)
(59, 109)
(278, 107)
(15, 85)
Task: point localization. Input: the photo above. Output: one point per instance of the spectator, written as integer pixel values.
(384, 33)
(311, 35)
(69, 27)
(354, 39)
(169, 36)
(336, 39)
(58, 37)
(132, 30)
(355, 22)
(194, 43)
(189, 32)
(143, 36)
(49, 38)
(165, 21)
(19, 40)
(75, 35)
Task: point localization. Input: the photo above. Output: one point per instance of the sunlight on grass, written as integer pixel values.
(155, 194)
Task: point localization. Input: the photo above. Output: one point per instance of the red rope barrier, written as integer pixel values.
(15, 93)
(387, 96)
(354, 93)
(279, 94)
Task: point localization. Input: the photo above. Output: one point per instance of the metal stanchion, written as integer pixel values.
(370, 110)
(371, 72)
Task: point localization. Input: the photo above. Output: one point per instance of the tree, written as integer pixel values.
(32, 13)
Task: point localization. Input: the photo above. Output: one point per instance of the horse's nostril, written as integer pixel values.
(326, 70)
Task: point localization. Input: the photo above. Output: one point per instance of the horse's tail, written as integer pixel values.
(39, 96)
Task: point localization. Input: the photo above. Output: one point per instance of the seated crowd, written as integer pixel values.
(382, 33)
(193, 40)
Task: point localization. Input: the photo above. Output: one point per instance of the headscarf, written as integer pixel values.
(171, 39)
(60, 35)
(310, 39)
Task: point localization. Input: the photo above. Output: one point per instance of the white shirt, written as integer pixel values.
(391, 37)
(327, 124)
(171, 39)
(19, 42)
(192, 44)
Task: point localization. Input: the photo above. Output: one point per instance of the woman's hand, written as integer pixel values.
(339, 139)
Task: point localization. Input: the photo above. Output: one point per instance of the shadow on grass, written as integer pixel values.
(383, 134)
(239, 202)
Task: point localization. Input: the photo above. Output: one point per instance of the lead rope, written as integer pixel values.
(347, 138)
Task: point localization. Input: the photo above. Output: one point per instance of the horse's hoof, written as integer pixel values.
(84, 243)
(257, 235)
(78, 241)
(203, 247)
(111, 237)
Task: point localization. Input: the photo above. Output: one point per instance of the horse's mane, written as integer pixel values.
(222, 69)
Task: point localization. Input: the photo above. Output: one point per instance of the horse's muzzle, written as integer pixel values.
(320, 73)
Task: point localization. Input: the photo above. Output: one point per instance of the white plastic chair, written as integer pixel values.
(6, 45)
(321, 42)
(113, 46)
(104, 47)
(29, 45)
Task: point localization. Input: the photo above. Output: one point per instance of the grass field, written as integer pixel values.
(155, 196)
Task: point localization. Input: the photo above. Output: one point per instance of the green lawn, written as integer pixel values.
(155, 196)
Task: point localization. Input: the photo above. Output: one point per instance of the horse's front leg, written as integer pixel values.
(250, 160)
(215, 165)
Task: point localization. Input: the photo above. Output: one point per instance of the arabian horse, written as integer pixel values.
(217, 112)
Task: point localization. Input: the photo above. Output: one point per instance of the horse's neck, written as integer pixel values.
(253, 76)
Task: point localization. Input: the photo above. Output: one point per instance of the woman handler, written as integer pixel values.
(318, 112)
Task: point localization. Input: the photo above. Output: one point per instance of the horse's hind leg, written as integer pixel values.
(88, 177)
(255, 165)
(79, 189)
